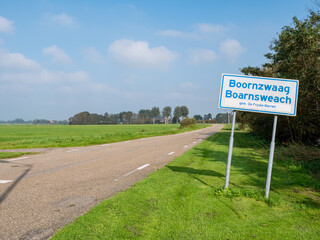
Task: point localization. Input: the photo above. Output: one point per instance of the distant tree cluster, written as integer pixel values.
(144, 116)
(180, 111)
(56, 122)
(207, 118)
(16, 121)
(36, 121)
(224, 118)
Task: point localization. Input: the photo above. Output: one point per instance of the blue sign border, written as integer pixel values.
(264, 78)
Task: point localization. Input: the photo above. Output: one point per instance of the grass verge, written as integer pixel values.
(43, 136)
(186, 199)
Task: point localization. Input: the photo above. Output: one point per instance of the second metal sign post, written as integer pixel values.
(258, 94)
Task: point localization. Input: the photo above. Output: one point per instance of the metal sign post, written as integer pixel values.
(271, 156)
(230, 150)
(258, 94)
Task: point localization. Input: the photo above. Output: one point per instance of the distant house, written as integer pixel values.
(159, 120)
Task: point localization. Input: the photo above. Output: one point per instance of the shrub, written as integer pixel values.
(295, 55)
(211, 121)
(187, 122)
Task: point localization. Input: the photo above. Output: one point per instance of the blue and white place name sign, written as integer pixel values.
(259, 94)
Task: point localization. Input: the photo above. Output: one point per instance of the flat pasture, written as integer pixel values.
(50, 136)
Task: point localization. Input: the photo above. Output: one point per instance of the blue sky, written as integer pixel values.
(58, 58)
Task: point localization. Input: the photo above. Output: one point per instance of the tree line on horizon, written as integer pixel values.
(35, 121)
(144, 116)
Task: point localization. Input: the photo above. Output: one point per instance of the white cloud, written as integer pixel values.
(232, 49)
(86, 87)
(181, 97)
(138, 54)
(6, 25)
(201, 55)
(129, 80)
(45, 76)
(16, 68)
(172, 33)
(37, 92)
(31, 74)
(16, 61)
(63, 19)
(131, 95)
(92, 55)
(188, 86)
(174, 95)
(57, 54)
(210, 28)
(200, 30)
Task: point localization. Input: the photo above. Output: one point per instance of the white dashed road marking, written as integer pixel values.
(186, 146)
(16, 159)
(144, 166)
(5, 181)
(171, 153)
(127, 174)
(194, 142)
(139, 168)
(73, 150)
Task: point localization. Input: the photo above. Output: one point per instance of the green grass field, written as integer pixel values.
(43, 136)
(186, 199)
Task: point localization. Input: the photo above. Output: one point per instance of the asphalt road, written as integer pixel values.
(41, 193)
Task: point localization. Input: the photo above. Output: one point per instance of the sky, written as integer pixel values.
(59, 58)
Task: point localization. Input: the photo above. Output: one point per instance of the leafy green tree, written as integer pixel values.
(177, 113)
(207, 116)
(114, 118)
(96, 119)
(197, 117)
(166, 112)
(19, 121)
(175, 119)
(224, 117)
(295, 55)
(86, 118)
(82, 118)
(129, 116)
(144, 116)
(122, 117)
(184, 111)
(155, 112)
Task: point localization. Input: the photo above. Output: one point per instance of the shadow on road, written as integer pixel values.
(14, 184)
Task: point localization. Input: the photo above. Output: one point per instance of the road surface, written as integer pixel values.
(41, 193)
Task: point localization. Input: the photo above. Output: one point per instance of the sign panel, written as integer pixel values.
(259, 94)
